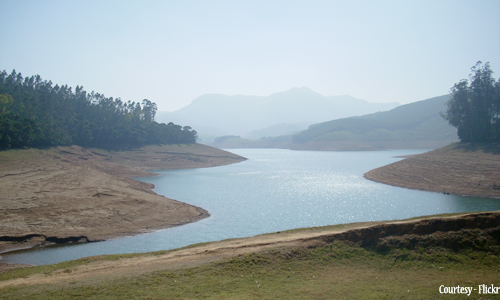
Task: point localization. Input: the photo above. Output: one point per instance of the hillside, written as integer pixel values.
(414, 125)
(288, 112)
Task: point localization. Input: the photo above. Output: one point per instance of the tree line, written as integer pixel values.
(474, 107)
(36, 113)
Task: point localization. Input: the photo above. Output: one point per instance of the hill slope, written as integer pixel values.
(255, 116)
(414, 125)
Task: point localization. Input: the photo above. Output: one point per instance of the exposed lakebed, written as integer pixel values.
(273, 190)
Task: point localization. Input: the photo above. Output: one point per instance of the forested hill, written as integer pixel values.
(36, 113)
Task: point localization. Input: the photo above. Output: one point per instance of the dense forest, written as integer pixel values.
(474, 107)
(36, 113)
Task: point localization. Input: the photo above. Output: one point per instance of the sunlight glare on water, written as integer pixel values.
(274, 190)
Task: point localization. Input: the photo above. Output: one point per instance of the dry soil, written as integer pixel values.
(72, 194)
(456, 169)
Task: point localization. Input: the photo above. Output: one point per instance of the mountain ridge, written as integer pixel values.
(414, 125)
(213, 115)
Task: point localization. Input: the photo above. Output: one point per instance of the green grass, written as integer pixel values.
(334, 271)
(399, 267)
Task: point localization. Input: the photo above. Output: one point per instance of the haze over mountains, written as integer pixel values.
(414, 125)
(253, 117)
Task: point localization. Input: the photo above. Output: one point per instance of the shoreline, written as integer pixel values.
(458, 169)
(414, 172)
(72, 194)
(435, 230)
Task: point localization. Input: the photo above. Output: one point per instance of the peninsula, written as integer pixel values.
(75, 194)
(461, 169)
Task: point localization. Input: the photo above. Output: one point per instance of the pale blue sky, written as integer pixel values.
(171, 52)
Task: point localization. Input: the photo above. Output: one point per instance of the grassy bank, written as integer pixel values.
(411, 264)
(336, 271)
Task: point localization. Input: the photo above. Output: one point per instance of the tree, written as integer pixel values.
(35, 113)
(474, 109)
(149, 109)
(5, 103)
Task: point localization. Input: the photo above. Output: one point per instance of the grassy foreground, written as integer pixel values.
(408, 266)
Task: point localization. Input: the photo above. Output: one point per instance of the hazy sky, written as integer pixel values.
(171, 52)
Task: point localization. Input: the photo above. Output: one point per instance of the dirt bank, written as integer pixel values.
(72, 194)
(466, 231)
(455, 169)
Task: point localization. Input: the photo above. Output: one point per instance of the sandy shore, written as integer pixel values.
(455, 169)
(71, 194)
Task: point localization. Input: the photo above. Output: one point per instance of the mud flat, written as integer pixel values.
(72, 194)
(456, 169)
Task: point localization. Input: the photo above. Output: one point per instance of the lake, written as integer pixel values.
(274, 190)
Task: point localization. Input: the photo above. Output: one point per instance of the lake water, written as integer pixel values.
(274, 190)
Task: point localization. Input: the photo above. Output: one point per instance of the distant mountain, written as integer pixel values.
(410, 126)
(414, 125)
(213, 115)
(277, 130)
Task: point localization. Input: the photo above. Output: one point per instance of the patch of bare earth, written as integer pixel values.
(455, 169)
(72, 194)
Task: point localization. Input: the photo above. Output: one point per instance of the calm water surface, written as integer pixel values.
(273, 190)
